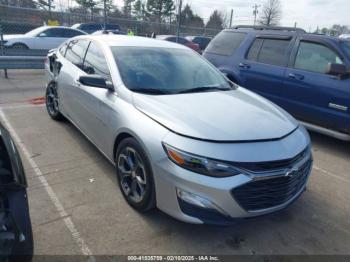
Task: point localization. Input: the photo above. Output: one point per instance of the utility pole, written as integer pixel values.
(50, 9)
(255, 12)
(178, 21)
(231, 18)
(295, 25)
(104, 15)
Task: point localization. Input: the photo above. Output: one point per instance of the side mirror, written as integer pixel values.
(337, 70)
(96, 81)
(42, 35)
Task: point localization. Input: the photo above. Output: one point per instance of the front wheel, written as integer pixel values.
(134, 174)
(52, 102)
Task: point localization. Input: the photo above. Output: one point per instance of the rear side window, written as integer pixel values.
(225, 43)
(171, 39)
(269, 51)
(112, 27)
(71, 33)
(76, 51)
(54, 32)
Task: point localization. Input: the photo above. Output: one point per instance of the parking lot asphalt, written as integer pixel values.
(76, 206)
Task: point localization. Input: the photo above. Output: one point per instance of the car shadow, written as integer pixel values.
(330, 145)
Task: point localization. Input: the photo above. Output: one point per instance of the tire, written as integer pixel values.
(52, 102)
(20, 46)
(135, 177)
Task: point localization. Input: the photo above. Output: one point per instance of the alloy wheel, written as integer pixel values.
(132, 174)
(52, 100)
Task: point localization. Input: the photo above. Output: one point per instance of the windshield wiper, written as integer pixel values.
(204, 89)
(149, 91)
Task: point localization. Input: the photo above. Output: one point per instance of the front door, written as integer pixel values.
(311, 94)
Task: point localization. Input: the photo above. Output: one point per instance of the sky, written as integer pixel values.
(307, 13)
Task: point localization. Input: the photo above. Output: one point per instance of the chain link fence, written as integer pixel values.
(17, 20)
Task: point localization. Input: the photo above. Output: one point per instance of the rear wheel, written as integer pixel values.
(20, 46)
(134, 175)
(52, 102)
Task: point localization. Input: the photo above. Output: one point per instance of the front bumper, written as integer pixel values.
(170, 178)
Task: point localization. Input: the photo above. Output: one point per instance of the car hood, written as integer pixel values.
(237, 115)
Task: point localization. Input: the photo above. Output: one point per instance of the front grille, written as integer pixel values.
(272, 165)
(271, 192)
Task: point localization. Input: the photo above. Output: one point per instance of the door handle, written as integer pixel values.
(296, 76)
(244, 65)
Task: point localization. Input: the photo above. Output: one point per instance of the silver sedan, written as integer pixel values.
(182, 137)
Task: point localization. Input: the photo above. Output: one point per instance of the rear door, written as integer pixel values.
(262, 67)
(72, 68)
(311, 94)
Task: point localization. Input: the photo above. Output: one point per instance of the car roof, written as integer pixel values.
(167, 36)
(135, 41)
(198, 36)
(284, 33)
(64, 27)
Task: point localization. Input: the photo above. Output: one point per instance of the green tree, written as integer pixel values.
(189, 18)
(127, 8)
(216, 20)
(89, 5)
(139, 10)
(109, 6)
(160, 9)
(19, 3)
(339, 30)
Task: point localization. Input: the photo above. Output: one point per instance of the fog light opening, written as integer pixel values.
(198, 201)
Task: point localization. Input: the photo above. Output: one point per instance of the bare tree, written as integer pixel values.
(271, 13)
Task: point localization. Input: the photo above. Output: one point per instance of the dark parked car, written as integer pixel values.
(306, 74)
(180, 40)
(16, 240)
(93, 27)
(202, 41)
(109, 32)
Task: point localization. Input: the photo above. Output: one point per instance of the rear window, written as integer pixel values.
(112, 27)
(90, 27)
(225, 43)
(269, 51)
(72, 33)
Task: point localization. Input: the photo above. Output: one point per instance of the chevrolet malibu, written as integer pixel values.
(182, 137)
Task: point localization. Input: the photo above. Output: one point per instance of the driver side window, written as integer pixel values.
(53, 32)
(315, 57)
(95, 62)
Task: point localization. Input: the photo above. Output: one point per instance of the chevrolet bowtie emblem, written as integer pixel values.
(292, 172)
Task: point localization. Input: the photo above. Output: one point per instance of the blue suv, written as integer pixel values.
(306, 74)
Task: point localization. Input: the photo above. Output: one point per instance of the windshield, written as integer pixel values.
(346, 47)
(167, 70)
(35, 31)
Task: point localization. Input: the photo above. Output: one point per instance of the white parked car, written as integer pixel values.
(345, 36)
(44, 37)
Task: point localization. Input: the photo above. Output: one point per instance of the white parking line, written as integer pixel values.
(53, 197)
(17, 106)
(330, 174)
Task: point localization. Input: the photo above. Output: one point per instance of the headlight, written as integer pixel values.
(198, 164)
